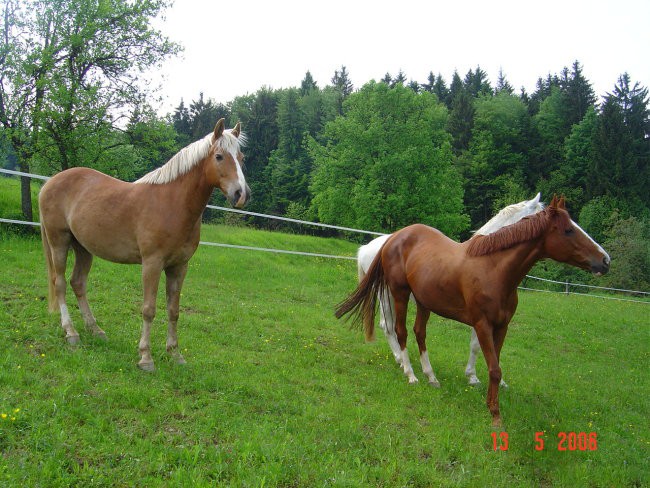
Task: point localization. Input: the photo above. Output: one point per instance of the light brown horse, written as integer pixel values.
(474, 282)
(154, 221)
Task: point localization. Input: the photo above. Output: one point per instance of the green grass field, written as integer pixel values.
(277, 392)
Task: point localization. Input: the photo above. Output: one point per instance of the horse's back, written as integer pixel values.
(96, 209)
(429, 264)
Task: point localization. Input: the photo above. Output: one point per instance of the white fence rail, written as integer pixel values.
(566, 285)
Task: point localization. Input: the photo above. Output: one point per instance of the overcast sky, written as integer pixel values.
(235, 47)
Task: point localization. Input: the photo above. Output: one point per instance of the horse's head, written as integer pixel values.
(225, 169)
(567, 243)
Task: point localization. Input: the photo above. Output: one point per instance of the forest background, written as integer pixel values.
(395, 151)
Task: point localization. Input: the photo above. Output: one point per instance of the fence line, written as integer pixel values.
(352, 258)
(233, 210)
(566, 283)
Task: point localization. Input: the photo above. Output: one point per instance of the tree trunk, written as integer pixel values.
(26, 194)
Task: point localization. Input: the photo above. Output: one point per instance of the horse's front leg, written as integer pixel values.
(485, 334)
(175, 276)
(150, 278)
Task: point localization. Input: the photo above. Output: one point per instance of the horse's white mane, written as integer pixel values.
(183, 161)
(511, 214)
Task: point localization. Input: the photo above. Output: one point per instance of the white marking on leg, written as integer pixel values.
(428, 370)
(470, 370)
(406, 365)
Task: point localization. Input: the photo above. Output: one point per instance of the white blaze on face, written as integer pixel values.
(580, 229)
(240, 174)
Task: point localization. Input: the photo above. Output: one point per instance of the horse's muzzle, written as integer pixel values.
(602, 267)
(240, 197)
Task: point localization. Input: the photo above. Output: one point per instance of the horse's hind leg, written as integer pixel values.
(174, 282)
(420, 330)
(387, 324)
(401, 305)
(82, 263)
(59, 243)
(470, 370)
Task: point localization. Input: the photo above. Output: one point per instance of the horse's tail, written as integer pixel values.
(363, 301)
(51, 295)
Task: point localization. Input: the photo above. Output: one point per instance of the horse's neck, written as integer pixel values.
(517, 261)
(192, 191)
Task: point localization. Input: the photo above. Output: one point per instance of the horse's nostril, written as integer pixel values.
(237, 196)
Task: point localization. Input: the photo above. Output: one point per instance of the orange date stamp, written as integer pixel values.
(566, 441)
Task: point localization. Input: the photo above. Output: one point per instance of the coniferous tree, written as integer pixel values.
(431, 81)
(343, 86)
(578, 95)
(476, 83)
(308, 84)
(461, 120)
(203, 116)
(440, 90)
(503, 85)
(454, 89)
(182, 124)
(399, 80)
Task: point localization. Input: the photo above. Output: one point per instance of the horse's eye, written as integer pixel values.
(568, 231)
(219, 157)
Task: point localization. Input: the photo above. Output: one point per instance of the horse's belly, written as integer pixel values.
(110, 245)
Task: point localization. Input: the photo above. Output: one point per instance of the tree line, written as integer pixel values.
(380, 156)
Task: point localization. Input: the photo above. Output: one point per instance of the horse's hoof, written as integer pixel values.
(73, 340)
(102, 336)
(496, 422)
(434, 384)
(473, 381)
(503, 384)
(180, 360)
(413, 381)
(148, 367)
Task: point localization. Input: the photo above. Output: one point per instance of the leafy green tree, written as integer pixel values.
(572, 176)
(628, 243)
(68, 69)
(387, 163)
(153, 141)
(493, 166)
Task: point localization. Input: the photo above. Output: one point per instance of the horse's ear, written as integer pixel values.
(561, 203)
(218, 129)
(236, 131)
(553, 203)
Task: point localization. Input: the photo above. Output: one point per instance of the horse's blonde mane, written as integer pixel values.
(188, 157)
(510, 215)
(526, 229)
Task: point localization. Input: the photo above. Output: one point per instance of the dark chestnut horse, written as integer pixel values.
(474, 282)
(155, 222)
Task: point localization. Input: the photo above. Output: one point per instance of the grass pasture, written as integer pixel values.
(277, 392)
